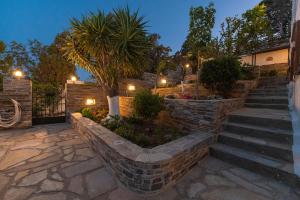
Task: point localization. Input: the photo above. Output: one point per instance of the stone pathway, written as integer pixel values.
(51, 162)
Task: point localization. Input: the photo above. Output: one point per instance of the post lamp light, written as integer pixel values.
(73, 78)
(18, 73)
(163, 81)
(90, 102)
(187, 65)
(131, 87)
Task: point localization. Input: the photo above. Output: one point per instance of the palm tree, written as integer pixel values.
(110, 46)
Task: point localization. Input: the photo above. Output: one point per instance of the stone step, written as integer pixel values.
(265, 94)
(258, 145)
(268, 100)
(270, 90)
(269, 106)
(265, 165)
(268, 118)
(275, 135)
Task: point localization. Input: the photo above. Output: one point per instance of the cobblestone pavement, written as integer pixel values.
(52, 163)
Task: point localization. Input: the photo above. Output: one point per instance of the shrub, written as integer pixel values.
(221, 74)
(147, 105)
(88, 113)
(113, 123)
(248, 73)
(273, 73)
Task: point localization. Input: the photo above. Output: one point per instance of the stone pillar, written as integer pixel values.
(77, 94)
(21, 91)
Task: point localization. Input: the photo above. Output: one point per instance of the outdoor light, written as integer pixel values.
(187, 65)
(90, 102)
(18, 73)
(163, 81)
(73, 78)
(131, 87)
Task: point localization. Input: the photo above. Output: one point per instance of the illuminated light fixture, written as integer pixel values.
(18, 73)
(187, 65)
(73, 78)
(131, 87)
(163, 81)
(90, 102)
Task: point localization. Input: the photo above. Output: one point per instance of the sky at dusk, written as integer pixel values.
(22, 20)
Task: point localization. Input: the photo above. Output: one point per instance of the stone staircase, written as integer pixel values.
(259, 137)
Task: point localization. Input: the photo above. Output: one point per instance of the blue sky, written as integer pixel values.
(21, 20)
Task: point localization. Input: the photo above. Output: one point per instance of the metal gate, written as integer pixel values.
(48, 107)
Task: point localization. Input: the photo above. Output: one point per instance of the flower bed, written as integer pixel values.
(147, 171)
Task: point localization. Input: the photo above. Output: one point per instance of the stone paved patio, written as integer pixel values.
(52, 163)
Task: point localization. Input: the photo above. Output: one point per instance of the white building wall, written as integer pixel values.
(268, 58)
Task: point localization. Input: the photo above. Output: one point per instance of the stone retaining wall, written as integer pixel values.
(243, 87)
(21, 91)
(191, 115)
(189, 89)
(240, 90)
(146, 171)
(201, 115)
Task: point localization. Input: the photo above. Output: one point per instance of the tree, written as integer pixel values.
(255, 28)
(5, 61)
(202, 21)
(229, 35)
(19, 57)
(158, 52)
(52, 67)
(279, 13)
(110, 46)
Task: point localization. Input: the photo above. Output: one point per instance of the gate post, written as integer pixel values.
(21, 91)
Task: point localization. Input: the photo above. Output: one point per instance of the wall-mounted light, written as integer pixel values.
(90, 102)
(18, 73)
(73, 78)
(131, 87)
(187, 65)
(163, 81)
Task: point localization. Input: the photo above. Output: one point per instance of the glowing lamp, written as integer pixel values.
(187, 65)
(90, 102)
(131, 87)
(73, 78)
(163, 81)
(18, 73)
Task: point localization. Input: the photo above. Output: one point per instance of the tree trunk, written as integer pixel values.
(113, 102)
(113, 105)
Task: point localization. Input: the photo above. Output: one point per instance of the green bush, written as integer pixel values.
(248, 73)
(273, 73)
(88, 113)
(147, 105)
(221, 74)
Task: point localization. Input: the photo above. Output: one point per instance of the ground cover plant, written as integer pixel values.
(141, 128)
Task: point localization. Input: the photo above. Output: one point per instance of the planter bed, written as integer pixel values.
(142, 170)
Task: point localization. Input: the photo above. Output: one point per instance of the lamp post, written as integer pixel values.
(18, 74)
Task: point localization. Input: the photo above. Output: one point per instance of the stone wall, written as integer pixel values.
(191, 115)
(281, 68)
(139, 84)
(150, 78)
(146, 171)
(201, 115)
(240, 90)
(21, 91)
(189, 89)
(125, 104)
(243, 87)
(77, 94)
